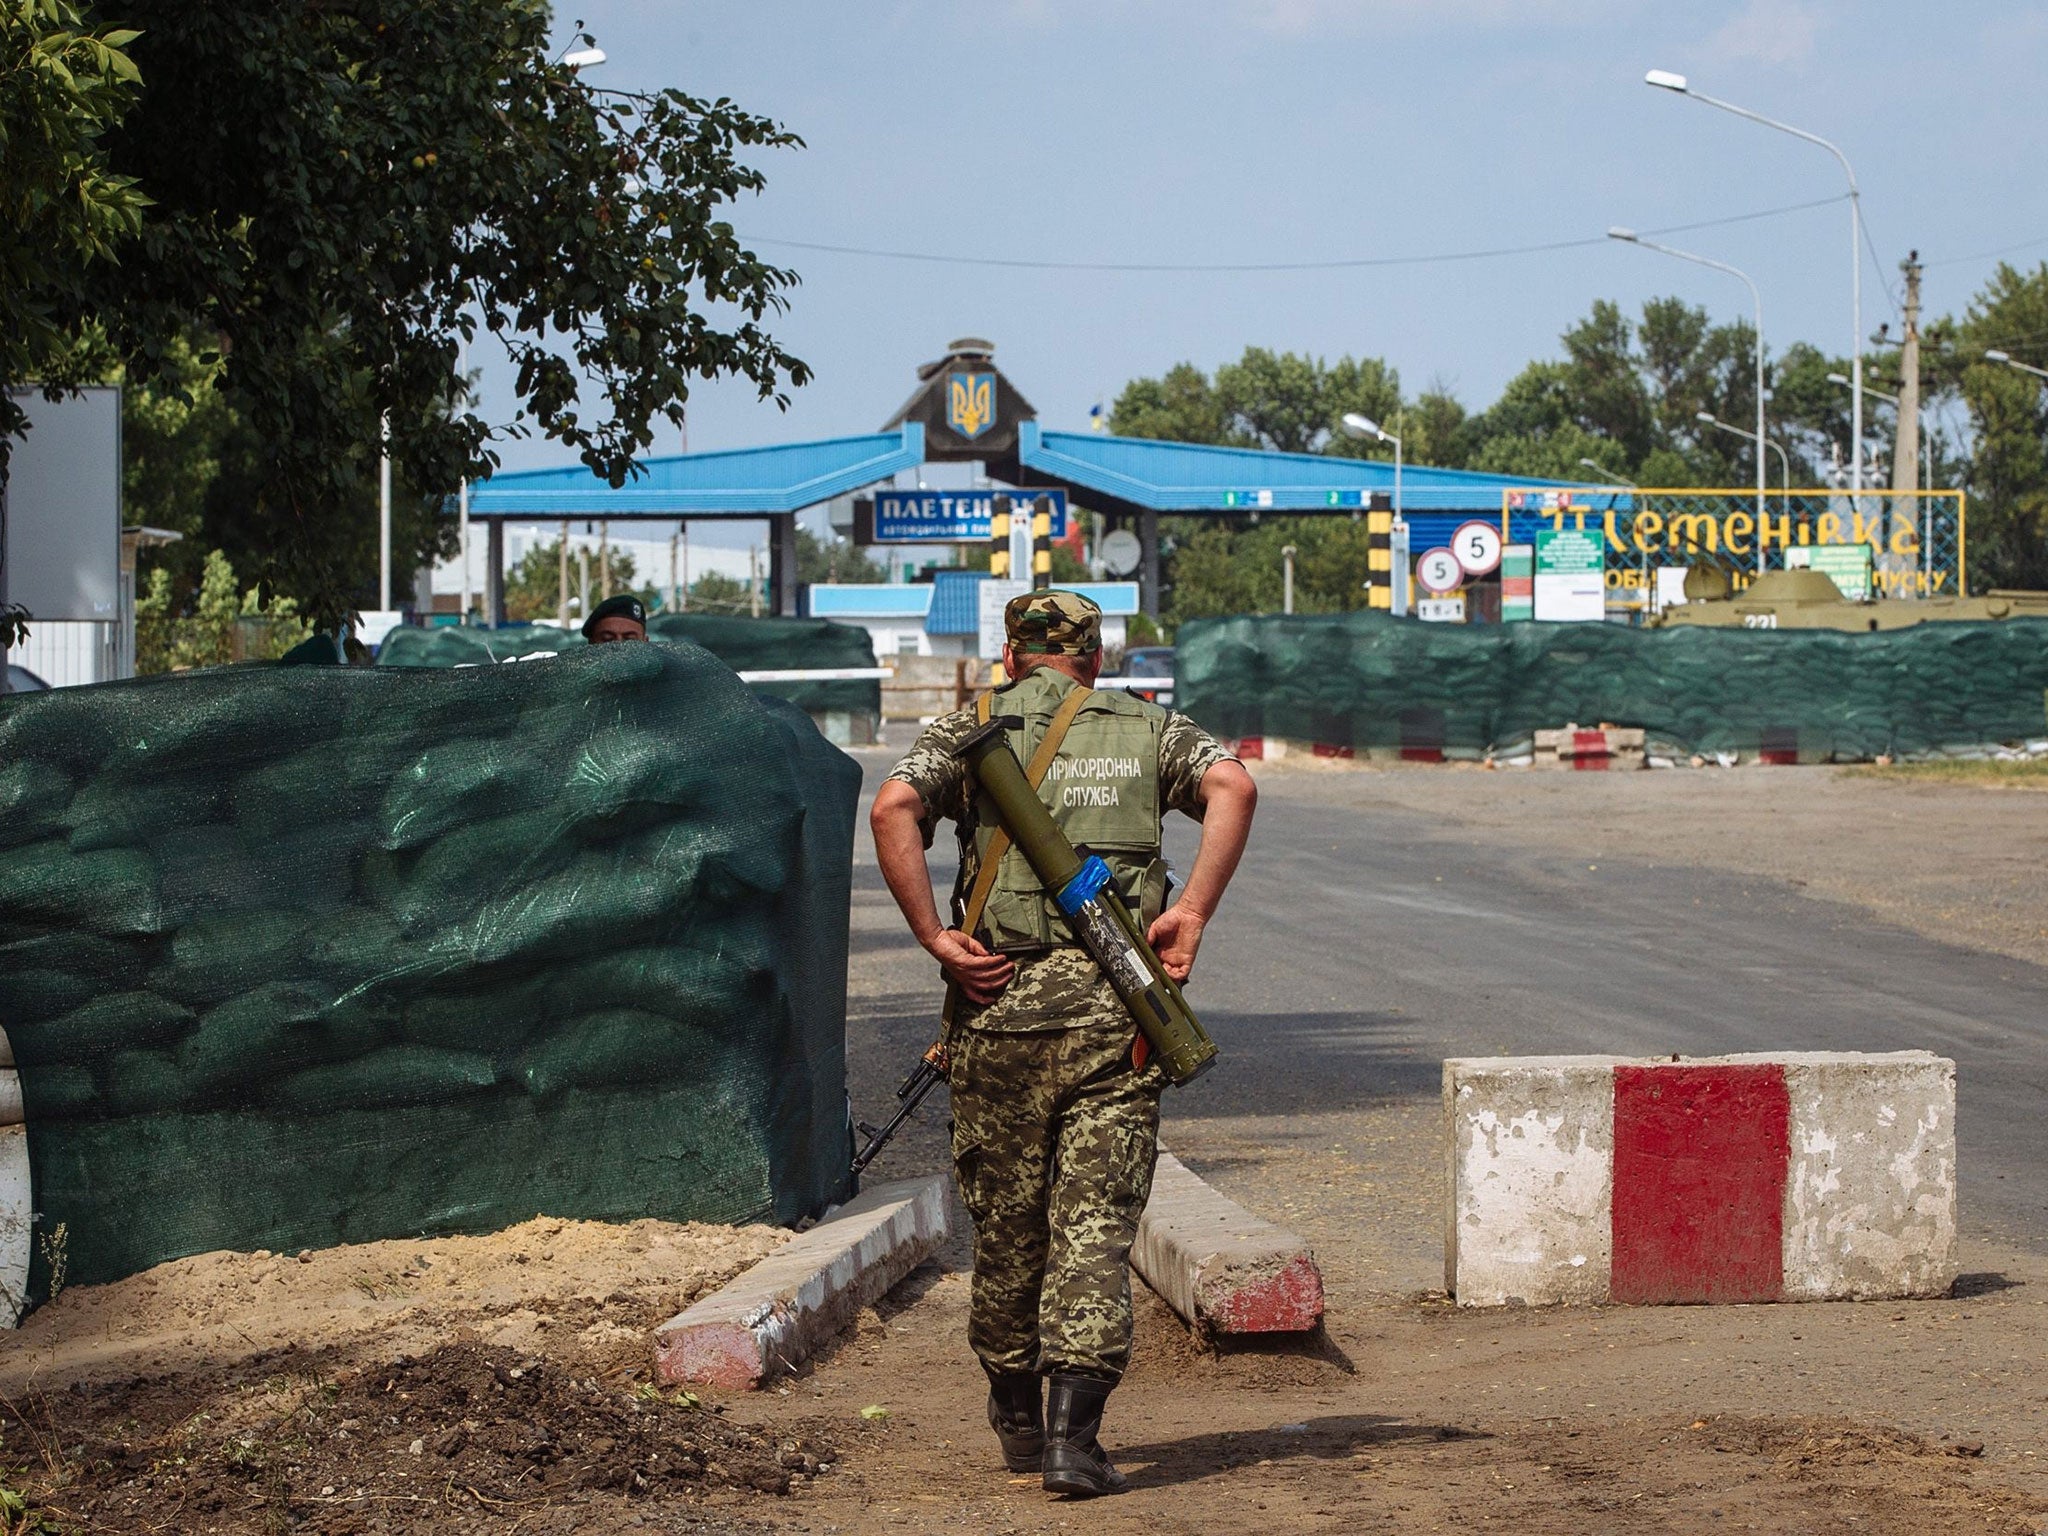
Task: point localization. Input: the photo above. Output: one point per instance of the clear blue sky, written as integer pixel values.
(1150, 131)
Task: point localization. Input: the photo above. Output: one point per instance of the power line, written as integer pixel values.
(937, 259)
(2003, 250)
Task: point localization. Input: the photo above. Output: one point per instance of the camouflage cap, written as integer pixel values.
(1053, 623)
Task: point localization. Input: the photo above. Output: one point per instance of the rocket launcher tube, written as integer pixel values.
(1093, 909)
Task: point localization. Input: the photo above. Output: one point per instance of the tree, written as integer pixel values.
(832, 559)
(226, 624)
(2008, 471)
(1221, 570)
(341, 192)
(64, 214)
(533, 590)
(1276, 400)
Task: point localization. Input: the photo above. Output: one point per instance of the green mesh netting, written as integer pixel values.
(1364, 680)
(298, 956)
(745, 645)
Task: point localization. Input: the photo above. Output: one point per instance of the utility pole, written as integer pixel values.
(562, 603)
(753, 582)
(1906, 440)
(604, 560)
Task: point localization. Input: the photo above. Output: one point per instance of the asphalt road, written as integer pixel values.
(1361, 946)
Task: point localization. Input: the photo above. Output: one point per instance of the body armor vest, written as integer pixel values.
(1102, 790)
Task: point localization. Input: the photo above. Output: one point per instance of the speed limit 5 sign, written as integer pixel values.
(1437, 570)
(1477, 546)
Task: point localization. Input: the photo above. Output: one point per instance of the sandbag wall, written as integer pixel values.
(1364, 680)
(299, 956)
(745, 645)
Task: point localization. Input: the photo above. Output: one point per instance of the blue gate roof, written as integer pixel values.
(1195, 477)
(741, 482)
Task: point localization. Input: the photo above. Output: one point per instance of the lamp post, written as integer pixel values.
(1757, 299)
(1784, 464)
(1359, 426)
(1926, 443)
(1612, 477)
(1664, 79)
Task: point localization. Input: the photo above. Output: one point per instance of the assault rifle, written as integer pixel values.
(929, 1072)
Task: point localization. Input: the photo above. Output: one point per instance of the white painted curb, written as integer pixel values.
(1221, 1268)
(775, 1314)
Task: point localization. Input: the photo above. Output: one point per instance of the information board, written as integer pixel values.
(923, 517)
(993, 597)
(1847, 565)
(1571, 575)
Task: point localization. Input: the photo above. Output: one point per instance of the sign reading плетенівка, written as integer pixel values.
(915, 517)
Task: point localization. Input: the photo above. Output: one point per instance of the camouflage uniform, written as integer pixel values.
(1055, 1133)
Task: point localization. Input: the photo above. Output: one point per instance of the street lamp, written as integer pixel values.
(2010, 361)
(1359, 426)
(1664, 79)
(1611, 477)
(1784, 464)
(1630, 237)
(1926, 443)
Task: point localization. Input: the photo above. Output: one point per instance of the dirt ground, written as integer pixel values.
(502, 1384)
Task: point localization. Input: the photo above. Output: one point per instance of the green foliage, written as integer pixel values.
(341, 193)
(716, 592)
(833, 560)
(1281, 401)
(2008, 472)
(65, 211)
(533, 590)
(1219, 570)
(221, 624)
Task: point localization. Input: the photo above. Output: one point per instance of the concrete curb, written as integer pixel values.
(1220, 1267)
(775, 1314)
(1795, 1176)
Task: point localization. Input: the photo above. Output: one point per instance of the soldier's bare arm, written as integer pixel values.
(1229, 798)
(899, 849)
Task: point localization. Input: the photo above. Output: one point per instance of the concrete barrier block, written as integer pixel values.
(769, 1318)
(1220, 1267)
(1531, 1154)
(1782, 1177)
(1870, 1196)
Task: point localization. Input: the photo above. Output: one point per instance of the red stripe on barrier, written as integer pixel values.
(1589, 749)
(1251, 749)
(1700, 1157)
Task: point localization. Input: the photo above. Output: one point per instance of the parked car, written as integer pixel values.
(21, 680)
(1147, 661)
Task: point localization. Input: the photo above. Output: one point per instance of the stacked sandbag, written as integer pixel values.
(1367, 680)
(460, 645)
(292, 957)
(765, 644)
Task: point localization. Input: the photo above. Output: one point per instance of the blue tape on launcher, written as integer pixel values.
(1090, 878)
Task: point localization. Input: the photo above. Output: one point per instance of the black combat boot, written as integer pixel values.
(1075, 1461)
(1017, 1416)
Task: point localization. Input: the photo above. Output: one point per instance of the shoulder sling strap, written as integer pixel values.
(1035, 772)
(998, 845)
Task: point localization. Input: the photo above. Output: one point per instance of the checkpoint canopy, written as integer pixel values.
(965, 409)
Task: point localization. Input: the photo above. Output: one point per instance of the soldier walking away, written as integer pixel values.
(1055, 1099)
